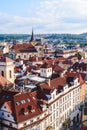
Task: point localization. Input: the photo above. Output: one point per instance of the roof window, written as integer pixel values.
(17, 103)
(23, 101)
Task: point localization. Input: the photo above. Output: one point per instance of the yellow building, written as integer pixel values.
(24, 51)
(7, 68)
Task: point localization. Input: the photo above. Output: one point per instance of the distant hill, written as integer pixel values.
(83, 34)
(13, 36)
(66, 38)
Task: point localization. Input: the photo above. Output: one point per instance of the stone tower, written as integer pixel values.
(7, 68)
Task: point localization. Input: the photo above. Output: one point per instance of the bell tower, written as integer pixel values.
(46, 70)
(7, 68)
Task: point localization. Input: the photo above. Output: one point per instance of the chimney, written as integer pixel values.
(36, 58)
(48, 81)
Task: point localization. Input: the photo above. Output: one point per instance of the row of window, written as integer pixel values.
(22, 101)
(7, 115)
(49, 70)
(25, 56)
(10, 73)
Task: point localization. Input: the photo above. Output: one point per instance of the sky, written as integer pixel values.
(44, 16)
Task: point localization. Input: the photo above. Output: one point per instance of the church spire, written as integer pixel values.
(32, 37)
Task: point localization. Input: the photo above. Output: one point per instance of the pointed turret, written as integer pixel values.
(32, 37)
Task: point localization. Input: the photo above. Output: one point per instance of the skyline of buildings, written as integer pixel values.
(42, 86)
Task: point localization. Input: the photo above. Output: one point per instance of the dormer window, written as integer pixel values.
(2, 113)
(5, 107)
(2, 73)
(32, 110)
(17, 103)
(31, 121)
(8, 115)
(25, 124)
(10, 124)
(38, 118)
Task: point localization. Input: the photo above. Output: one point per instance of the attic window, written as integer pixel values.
(7, 97)
(17, 103)
(25, 124)
(8, 115)
(38, 118)
(23, 101)
(2, 113)
(4, 106)
(33, 110)
(31, 121)
(10, 124)
(3, 96)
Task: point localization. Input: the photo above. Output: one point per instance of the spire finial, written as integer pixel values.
(32, 36)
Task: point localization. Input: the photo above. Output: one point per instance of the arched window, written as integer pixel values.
(2, 73)
(10, 74)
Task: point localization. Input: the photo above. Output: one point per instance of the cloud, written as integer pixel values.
(16, 24)
(64, 16)
(50, 16)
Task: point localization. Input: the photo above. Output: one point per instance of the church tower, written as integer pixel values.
(32, 37)
(32, 40)
(46, 70)
(7, 68)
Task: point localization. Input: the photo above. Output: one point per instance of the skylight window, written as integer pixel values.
(7, 97)
(34, 98)
(23, 101)
(17, 103)
(28, 99)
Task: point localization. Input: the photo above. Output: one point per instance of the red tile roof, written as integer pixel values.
(34, 59)
(30, 107)
(75, 74)
(6, 96)
(57, 68)
(55, 83)
(46, 65)
(23, 106)
(24, 48)
(83, 128)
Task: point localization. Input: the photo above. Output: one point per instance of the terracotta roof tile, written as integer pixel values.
(24, 48)
(75, 74)
(54, 83)
(25, 106)
(46, 65)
